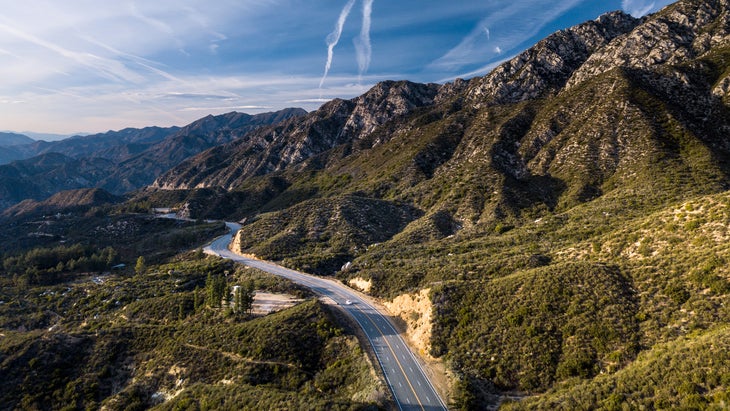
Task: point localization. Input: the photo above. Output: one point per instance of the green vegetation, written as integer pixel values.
(47, 266)
(321, 235)
(575, 241)
(692, 372)
(130, 235)
(144, 341)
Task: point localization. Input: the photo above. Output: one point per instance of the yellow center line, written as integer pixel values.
(385, 338)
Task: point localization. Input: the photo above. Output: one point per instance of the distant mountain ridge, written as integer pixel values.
(63, 201)
(119, 161)
(14, 139)
(141, 170)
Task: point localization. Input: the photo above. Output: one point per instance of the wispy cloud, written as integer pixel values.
(309, 100)
(334, 38)
(362, 44)
(638, 8)
(157, 24)
(199, 96)
(225, 108)
(132, 63)
(107, 68)
(518, 21)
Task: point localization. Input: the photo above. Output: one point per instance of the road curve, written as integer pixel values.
(411, 388)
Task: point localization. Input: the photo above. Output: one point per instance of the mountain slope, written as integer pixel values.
(63, 201)
(114, 143)
(12, 146)
(42, 176)
(14, 139)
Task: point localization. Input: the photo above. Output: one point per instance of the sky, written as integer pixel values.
(90, 66)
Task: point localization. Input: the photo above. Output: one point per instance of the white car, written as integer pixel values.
(348, 302)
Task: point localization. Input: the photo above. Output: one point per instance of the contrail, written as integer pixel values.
(334, 37)
(362, 45)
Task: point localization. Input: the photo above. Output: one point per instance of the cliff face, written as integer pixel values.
(681, 33)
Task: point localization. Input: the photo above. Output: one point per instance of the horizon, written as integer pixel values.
(130, 65)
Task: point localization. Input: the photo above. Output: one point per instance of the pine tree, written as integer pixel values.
(210, 291)
(141, 266)
(196, 299)
(247, 296)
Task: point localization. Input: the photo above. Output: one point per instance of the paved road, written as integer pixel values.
(410, 387)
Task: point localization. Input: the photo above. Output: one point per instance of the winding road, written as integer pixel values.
(411, 388)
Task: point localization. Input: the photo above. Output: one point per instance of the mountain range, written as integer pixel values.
(117, 161)
(564, 218)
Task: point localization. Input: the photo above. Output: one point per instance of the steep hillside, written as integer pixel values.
(72, 200)
(14, 139)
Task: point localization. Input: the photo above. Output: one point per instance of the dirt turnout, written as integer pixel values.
(266, 303)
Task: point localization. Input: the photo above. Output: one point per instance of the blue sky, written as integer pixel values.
(90, 66)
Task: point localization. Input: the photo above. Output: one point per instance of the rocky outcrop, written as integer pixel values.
(679, 33)
(546, 67)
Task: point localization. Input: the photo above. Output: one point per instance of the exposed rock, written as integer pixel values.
(679, 33)
(415, 310)
(546, 67)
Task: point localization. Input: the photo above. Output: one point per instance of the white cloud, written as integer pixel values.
(362, 44)
(638, 8)
(517, 21)
(334, 38)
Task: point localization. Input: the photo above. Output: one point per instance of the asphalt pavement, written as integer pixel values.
(411, 388)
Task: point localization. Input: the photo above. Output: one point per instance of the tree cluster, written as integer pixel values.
(45, 265)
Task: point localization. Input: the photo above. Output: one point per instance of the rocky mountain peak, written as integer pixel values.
(384, 101)
(679, 33)
(545, 68)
